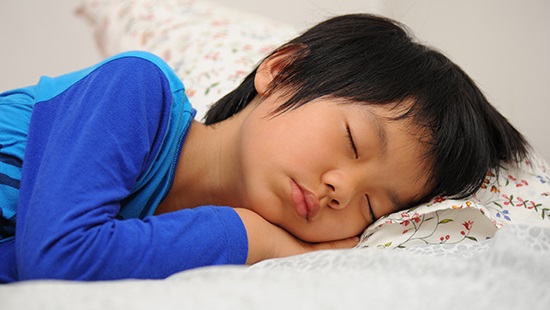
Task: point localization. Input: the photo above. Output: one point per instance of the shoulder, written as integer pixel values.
(140, 62)
(123, 71)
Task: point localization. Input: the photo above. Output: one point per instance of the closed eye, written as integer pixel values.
(351, 142)
(372, 217)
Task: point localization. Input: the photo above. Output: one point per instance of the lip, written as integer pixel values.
(305, 202)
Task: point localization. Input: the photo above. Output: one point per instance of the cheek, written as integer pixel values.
(308, 151)
(284, 149)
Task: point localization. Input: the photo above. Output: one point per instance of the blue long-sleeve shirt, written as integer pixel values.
(100, 148)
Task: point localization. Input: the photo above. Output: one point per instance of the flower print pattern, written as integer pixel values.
(210, 47)
(513, 195)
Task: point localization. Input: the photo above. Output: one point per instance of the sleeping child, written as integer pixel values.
(105, 174)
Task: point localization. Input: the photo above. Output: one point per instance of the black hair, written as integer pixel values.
(376, 61)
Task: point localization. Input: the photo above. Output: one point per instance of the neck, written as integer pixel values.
(208, 169)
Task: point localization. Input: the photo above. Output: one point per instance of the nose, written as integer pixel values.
(340, 189)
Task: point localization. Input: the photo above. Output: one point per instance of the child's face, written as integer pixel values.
(302, 172)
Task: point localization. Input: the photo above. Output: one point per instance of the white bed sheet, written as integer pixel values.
(510, 272)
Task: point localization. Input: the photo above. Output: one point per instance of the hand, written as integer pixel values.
(266, 240)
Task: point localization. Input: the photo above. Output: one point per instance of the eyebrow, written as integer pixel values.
(395, 202)
(380, 128)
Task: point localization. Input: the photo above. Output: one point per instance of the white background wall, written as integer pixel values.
(503, 44)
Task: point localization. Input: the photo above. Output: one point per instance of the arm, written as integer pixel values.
(266, 240)
(87, 147)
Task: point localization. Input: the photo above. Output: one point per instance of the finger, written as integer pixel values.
(337, 244)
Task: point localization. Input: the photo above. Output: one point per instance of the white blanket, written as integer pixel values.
(511, 271)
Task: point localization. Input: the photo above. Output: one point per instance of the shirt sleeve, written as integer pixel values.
(86, 148)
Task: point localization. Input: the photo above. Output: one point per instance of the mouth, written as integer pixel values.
(305, 202)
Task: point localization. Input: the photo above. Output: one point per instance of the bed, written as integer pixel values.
(489, 250)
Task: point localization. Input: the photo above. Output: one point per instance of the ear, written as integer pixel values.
(272, 66)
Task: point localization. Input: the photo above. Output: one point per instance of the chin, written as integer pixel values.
(313, 237)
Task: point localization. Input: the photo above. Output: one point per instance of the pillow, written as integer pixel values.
(212, 48)
(516, 195)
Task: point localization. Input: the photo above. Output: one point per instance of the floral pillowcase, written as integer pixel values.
(516, 195)
(212, 48)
